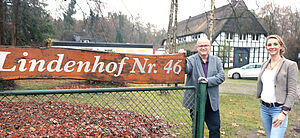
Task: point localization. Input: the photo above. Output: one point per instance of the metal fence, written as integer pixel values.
(107, 112)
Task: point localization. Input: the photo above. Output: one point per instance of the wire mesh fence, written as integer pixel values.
(110, 112)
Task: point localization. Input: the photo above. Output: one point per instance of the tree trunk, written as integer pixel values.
(16, 4)
(1, 23)
(167, 46)
(211, 21)
(175, 28)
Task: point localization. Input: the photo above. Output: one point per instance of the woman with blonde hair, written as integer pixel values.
(277, 88)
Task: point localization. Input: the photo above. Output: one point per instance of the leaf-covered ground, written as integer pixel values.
(55, 118)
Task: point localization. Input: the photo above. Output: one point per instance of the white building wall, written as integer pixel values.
(256, 43)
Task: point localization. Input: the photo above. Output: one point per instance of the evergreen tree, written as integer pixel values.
(119, 36)
(68, 20)
(33, 23)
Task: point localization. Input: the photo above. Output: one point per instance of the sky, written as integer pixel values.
(157, 11)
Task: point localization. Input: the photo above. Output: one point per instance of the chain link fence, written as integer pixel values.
(109, 112)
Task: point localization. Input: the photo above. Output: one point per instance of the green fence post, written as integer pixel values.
(199, 110)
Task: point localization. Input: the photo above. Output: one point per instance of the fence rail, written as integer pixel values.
(107, 112)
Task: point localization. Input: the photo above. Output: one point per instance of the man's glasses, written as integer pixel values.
(202, 46)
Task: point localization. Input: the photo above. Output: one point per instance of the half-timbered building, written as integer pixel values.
(238, 36)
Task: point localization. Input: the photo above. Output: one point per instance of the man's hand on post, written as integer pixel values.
(202, 78)
(181, 51)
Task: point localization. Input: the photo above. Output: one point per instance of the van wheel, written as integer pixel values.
(236, 76)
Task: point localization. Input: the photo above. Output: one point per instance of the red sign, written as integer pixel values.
(27, 63)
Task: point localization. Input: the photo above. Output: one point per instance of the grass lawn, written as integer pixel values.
(36, 84)
(239, 114)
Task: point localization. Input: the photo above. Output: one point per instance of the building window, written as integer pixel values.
(242, 36)
(257, 37)
(231, 35)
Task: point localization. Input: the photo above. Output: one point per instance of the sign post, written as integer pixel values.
(59, 63)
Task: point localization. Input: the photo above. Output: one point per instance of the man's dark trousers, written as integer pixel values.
(212, 120)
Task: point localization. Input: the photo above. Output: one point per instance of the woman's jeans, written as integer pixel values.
(267, 117)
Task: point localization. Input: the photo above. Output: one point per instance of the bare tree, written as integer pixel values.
(284, 22)
(167, 46)
(211, 20)
(269, 13)
(175, 28)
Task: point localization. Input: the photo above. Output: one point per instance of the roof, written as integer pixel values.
(83, 35)
(234, 17)
(101, 44)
